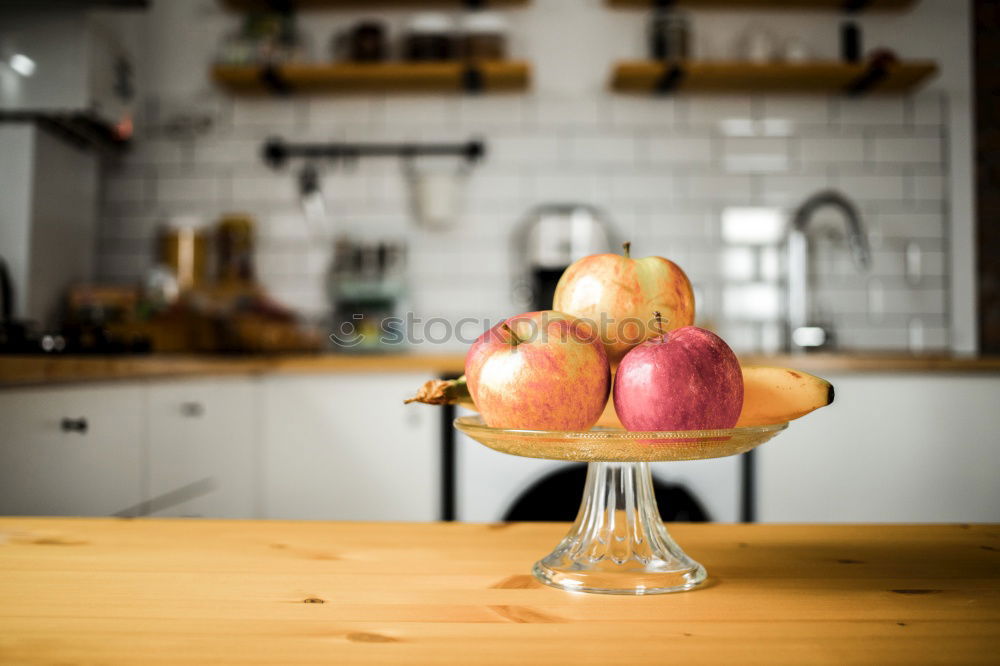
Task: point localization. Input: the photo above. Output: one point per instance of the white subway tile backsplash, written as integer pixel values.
(493, 112)
(906, 150)
(248, 112)
(629, 111)
(735, 189)
(189, 190)
(525, 149)
(562, 112)
(713, 111)
(928, 109)
(831, 149)
(126, 189)
(619, 149)
(872, 187)
(756, 154)
(643, 187)
(928, 188)
(790, 190)
(680, 149)
(873, 111)
(799, 110)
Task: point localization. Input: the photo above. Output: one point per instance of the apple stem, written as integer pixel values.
(514, 340)
(627, 246)
(659, 322)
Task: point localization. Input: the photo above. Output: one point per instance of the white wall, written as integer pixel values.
(665, 168)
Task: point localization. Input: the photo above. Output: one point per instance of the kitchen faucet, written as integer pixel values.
(803, 334)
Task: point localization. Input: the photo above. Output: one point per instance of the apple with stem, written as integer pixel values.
(685, 379)
(539, 371)
(617, 293)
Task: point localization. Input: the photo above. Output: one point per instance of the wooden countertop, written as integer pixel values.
(18, 370)
(113, 591)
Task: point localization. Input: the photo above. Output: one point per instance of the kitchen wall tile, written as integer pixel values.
(928, 188)
(419, 111)
(924, 150)
(561, 112)
(493, 112)
(628, 111)
(681, 149)
(712, 111)
(832, 149)
(871, 111)
(267, 112)
(798, 110)
(327, 112)
(644, 187)
(928, 109)
(734, 189)
(188, 190)
(126, 189)
(603, 149)
(872, 186)
(543, 150)
(789, 190)
(755, 155)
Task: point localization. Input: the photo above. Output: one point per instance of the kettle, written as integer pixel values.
(547, 240)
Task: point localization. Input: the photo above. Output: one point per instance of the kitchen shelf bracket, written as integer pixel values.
(876, 72)
(274, 81)
(667, 83)
(473, 81)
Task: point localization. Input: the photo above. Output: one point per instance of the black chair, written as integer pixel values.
(556, 497)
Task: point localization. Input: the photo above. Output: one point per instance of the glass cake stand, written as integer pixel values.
(618, 544)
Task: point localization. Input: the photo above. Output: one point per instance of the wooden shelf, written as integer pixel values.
(741, 77)
(252, 5)
(489, 76)
(826, 5)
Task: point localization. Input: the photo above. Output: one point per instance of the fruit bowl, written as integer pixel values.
(618, 544)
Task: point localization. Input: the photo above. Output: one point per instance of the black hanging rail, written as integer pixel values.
(277, 152)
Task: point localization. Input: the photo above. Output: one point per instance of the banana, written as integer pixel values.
(776, 395)
(770, 395)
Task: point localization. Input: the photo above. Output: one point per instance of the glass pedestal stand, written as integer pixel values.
(618, 544)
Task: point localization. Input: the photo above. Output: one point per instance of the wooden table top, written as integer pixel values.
(115, 591)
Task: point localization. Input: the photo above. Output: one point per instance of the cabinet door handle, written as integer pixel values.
(192, 409)
(74, 425)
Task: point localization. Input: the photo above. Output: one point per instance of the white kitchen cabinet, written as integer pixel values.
(345, 447)
(921, 447)
(71, 450)
(203, 449)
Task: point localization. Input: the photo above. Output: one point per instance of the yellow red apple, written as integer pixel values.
(619, 294)
(539, 371)
(687, 379)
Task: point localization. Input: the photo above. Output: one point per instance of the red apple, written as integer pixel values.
(539, 371)
(688, 379)
(619, 294)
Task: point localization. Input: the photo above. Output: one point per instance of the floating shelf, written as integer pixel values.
(250, 5)
(842, 5)
(486, 76)
(741, 77)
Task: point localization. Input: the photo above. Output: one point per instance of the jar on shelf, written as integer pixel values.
(484, 36)
(430, 37)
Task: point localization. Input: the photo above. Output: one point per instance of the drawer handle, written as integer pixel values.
(192, 409)
(74, 425)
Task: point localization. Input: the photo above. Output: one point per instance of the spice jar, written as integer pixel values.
(430, 37)
(234, 242)
(484, 36)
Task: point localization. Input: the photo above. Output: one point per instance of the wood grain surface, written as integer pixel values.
(106, 591)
